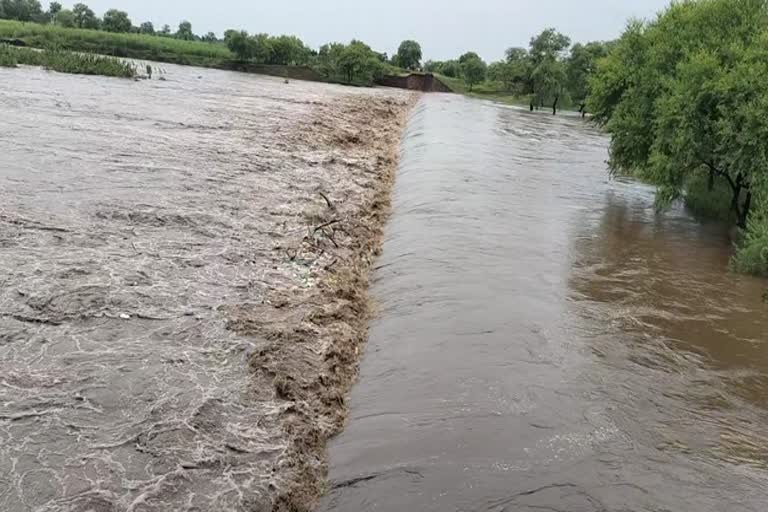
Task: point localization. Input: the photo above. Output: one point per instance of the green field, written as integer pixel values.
(135, 46)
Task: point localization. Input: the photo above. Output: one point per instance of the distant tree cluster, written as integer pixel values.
(548, 71)
(266, 49)
(82, 16)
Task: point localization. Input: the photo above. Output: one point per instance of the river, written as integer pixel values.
(153, 235)
(547, 340)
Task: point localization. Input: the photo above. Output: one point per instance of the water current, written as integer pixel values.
(546, 340)
(136, 219)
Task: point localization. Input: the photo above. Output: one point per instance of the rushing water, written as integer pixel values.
(546, 340)
(133, 217)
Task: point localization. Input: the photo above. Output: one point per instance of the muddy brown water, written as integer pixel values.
(546, 340)
(136, 220)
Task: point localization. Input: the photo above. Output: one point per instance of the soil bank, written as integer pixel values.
(185, 268)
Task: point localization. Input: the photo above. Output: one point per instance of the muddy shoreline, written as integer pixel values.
(316, 334)
(185, 267)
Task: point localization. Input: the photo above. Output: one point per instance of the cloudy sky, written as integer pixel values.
(445, 29)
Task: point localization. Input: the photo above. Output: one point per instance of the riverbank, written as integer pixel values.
(185, 300)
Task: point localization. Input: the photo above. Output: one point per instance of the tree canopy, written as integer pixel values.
(409, 55)
(473, 69)
(687, 94)
(85, 17)
(116, 21)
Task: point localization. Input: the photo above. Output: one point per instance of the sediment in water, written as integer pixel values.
(315, 332)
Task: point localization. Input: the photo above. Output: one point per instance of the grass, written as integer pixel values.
(66, 62)
(135, 46)
(752, 254)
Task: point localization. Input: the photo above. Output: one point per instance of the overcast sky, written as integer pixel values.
(445, 29)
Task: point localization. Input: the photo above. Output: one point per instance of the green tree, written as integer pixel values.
(473, 69)
(239, 43)
(185, 31)
(116, 21)
(580, 66)
(147, 28)
(409, 55)
(22, 10)
(54, 8)
(468, 55)
(66, 18)
(548, 44)
(166, 30)
(288, 50)
(85, 17)
(686, 96)
(451, 68)
(210, 37)
(359, 64)
(514, 55)
(547, 74)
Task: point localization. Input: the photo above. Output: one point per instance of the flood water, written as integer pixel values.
(546, 340)
(133, 217)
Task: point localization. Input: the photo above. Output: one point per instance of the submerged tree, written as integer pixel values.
(580, 66)
(547, 69)
(687, 95)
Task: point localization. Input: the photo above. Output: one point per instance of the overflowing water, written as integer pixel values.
(546, 340)
(134, 217)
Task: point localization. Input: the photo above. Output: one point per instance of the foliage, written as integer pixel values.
(687, 94)
(709, 197)
(752, 256)
(449, 68)
(185, 32)
(265, 49)
(354, 63)
(7, 57)
(65, 19)
(582, 64)
(547, 45)
(85, 17)
(147, 28)
(68, 62)
(21, 10)
(408, 55)
(472, 69)
(116, 21)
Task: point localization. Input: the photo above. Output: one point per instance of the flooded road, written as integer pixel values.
(152, 235)
(545, 340)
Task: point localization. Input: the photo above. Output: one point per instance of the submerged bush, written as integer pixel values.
(710, 200)
(68, 62)
(7, 58)
(752, 254)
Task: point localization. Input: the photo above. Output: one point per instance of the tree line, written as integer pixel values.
(549, 72)
(82, 16)
(352, 63)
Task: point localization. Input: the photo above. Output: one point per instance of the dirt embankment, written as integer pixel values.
(316, 330)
